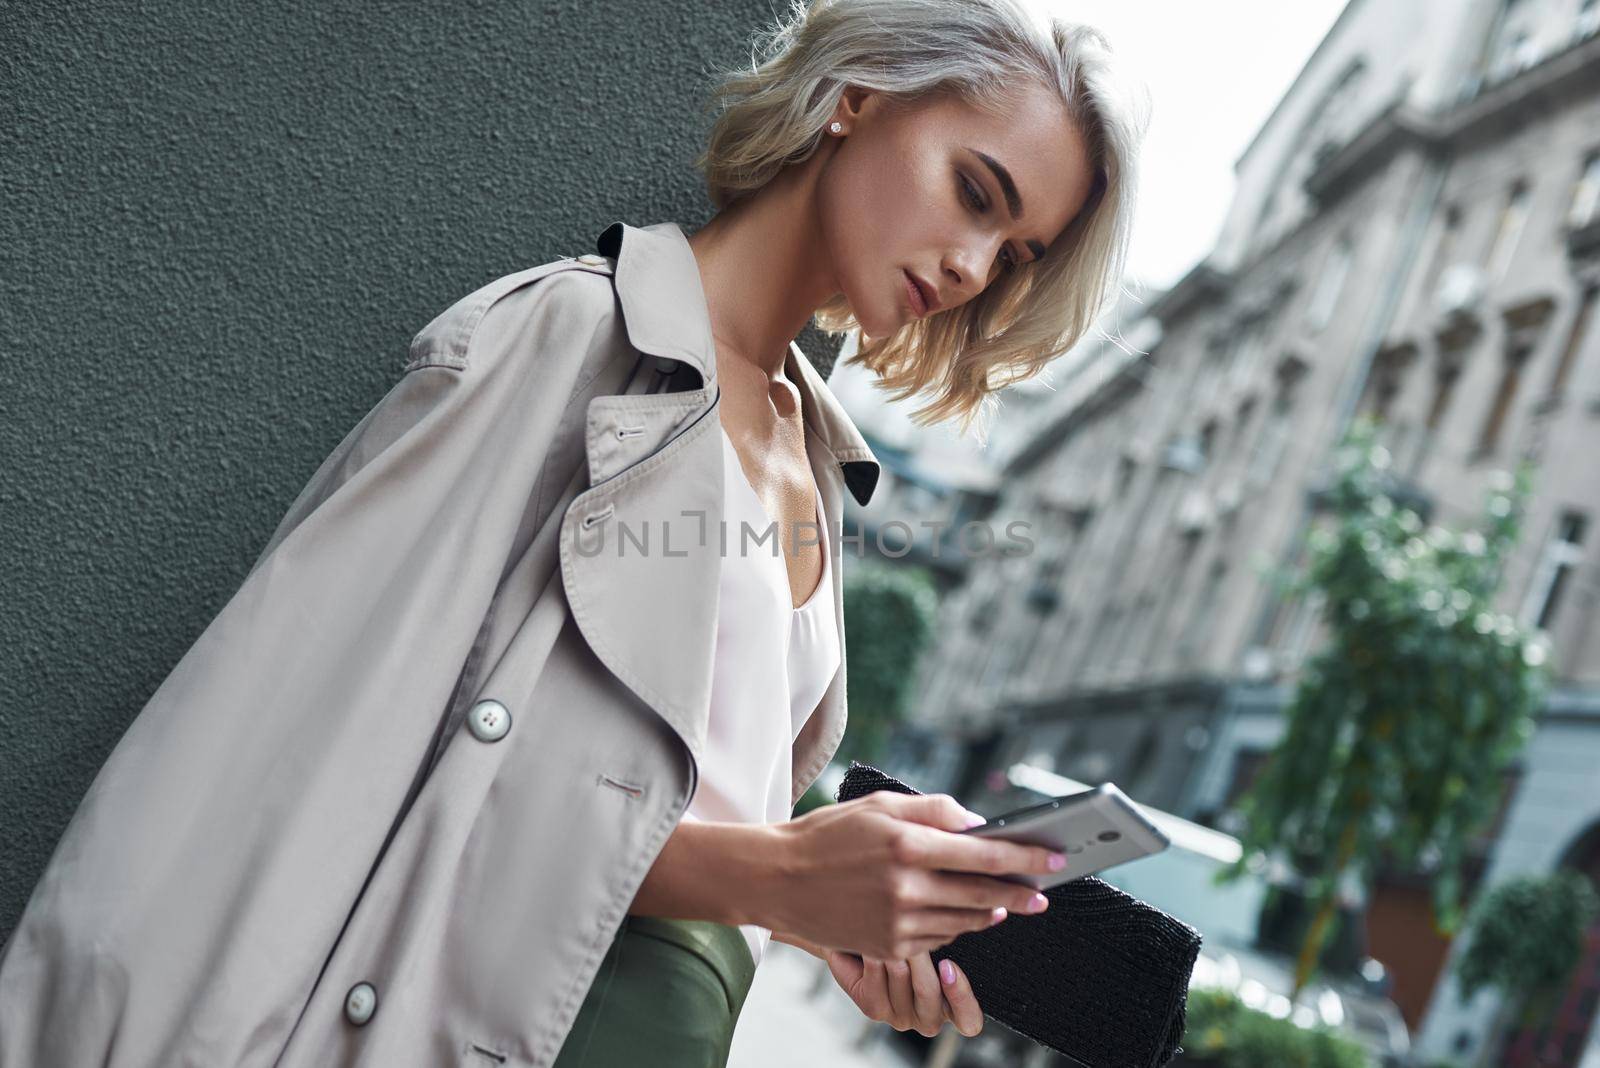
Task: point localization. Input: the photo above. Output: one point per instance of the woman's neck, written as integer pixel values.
(763, 268)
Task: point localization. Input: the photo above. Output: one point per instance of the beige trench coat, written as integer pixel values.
(319, 795)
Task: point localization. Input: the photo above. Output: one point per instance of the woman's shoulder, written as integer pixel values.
(551, 305)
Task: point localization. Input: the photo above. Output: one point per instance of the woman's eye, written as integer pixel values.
(971, 194)
(1008, 260)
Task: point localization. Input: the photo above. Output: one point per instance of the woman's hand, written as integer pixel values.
(907, 993)
(886, 877)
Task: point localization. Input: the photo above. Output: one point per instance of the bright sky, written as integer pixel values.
(1215, 71)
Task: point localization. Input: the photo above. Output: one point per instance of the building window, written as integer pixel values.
(1208, 444)
(1445, 246)
(1512, 218)
(1271, 443)
(981, 621)
(1154, 643)
(1159, 507)
(1329, 286)
(1575, 338)
(1045, 593)
(1444, 387)
(1247, 355)
(1562, 554)
(1201, 623)
(1126, 466)
(1385, 382)
(1384, 388)
(1208, 380)
(1504, 395)
(1586, 194)
(1241, 425)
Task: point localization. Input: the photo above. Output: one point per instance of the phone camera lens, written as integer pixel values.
(1110, 836)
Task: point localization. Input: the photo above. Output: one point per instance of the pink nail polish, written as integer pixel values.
(947, 972)
(1057, 861)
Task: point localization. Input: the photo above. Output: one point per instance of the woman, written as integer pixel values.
(449, 779)
(919, 195)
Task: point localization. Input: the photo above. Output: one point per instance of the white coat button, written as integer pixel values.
(592, 260)
(488, 721)
(360, 1003)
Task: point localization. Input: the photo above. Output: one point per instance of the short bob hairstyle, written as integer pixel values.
(772, 116)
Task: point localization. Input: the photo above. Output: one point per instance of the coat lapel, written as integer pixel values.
(640, 553)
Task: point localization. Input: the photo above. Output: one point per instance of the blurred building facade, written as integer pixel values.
(935, 480)
(1415, 236)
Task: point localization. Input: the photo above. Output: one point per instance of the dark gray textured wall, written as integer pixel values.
(220, 226)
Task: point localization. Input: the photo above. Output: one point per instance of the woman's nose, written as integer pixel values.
(968, 272)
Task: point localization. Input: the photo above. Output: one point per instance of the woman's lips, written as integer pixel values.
(919, 306)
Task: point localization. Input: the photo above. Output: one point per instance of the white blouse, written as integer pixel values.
(773, 664)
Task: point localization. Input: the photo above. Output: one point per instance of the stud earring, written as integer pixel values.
(835, 127)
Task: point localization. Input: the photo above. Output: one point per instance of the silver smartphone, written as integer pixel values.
(1096, 829)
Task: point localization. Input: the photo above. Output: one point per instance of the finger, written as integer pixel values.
(960, 1002)
(928, 944)
(943, 889)
(932, 810)
(929, 847)
(847, 969)
(949, 924)
(927, 995)
(901, 1001)
(874, 1000)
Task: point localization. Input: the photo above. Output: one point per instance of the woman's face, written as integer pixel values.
(922, 190)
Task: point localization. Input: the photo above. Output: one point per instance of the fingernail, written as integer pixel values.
(975, 820)
(947, 972)
(997, 915)
(1037, 903)
(1058, 861)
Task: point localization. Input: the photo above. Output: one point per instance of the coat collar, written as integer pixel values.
(665, 312)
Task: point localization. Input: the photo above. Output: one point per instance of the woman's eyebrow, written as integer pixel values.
(1013, 198)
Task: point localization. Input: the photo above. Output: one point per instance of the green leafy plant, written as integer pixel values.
(889, 615)
(1422, 694)
(812, 798)
(1221, 1030)
(1526, 938)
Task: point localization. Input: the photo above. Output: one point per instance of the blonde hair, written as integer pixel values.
(772, 115)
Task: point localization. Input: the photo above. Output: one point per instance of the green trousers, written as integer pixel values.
(667, 995)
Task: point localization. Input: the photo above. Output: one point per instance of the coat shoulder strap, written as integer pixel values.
(444, 341)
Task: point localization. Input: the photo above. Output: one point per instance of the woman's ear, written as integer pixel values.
(854, 101)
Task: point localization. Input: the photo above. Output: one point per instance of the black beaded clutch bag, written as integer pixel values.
(1099, 977)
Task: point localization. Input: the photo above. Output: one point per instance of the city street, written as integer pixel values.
(797, 1017)
(1226, 521)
